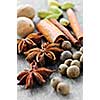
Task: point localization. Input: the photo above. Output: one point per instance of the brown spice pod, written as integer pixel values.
(74, 24)
(50, 31)
(65, 31)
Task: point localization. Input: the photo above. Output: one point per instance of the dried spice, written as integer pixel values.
(46, 50)
(67, 5)
(74, 24)
(36, 37)
(53, 3)
(44, 13)
(55, 10)
(35, 74)
(64, 22)
(63, 88)
(26, 11)
(55, 16)
(25, 44)
(65, 31)
(50, 31)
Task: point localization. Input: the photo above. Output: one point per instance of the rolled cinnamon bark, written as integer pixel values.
(50, 31)
(74, 24)
(65, 31)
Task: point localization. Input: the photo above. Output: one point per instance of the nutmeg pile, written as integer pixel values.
(52, 43)
(25, 25)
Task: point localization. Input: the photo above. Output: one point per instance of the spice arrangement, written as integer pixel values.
(53, 42)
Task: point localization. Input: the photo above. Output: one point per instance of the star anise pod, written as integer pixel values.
(35, 74)
(47, 50)
(27, 43)
(36, 37)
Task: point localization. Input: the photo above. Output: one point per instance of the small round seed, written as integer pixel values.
(62, 69)
(73, 71)
(54, 82)
(81, 49)
(63, 88)
(81, 59)
(75, 62)
(77, 55)
(68, 62)
(65, 55)
(66, 45)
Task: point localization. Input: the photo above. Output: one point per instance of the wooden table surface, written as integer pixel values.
(46, 92)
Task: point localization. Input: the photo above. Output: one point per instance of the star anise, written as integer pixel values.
(35, 74)
(46, 51)
(27, 43)
(36, 37)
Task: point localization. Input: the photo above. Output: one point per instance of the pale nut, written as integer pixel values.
(66, 45)
(25, 26)
(26, 11)
(68, 62)
(73, 71)
(77, 55)
(65, 55)
(54, 82)
(63, 88)
(75, 62)
(62, 69)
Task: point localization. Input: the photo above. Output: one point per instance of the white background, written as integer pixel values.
(8, 57)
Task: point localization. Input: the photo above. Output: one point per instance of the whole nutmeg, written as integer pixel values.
(81, 49)
(54, 82)
(66, 45)
(68, 62)
(73, 71)
(65, 55)
(62, 69)
(76, 62)
(26, 11)
(25, 26)
(77, 55)
(81, 59)
(63, 88)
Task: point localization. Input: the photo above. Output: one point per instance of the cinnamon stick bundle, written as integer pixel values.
(74, 24)
(65, 31)
(50, 31)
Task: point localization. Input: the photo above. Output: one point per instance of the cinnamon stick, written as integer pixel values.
(50, 31)
(64, 30)
(74, 24)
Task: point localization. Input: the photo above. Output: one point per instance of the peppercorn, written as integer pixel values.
(73, 71)
(54, 82)
(63, 88)
(81, 59)
(75, 62)
(68, 62)
(65, 55)
(81, 49)
(62, 69)
(66, 45)
(77, 55)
